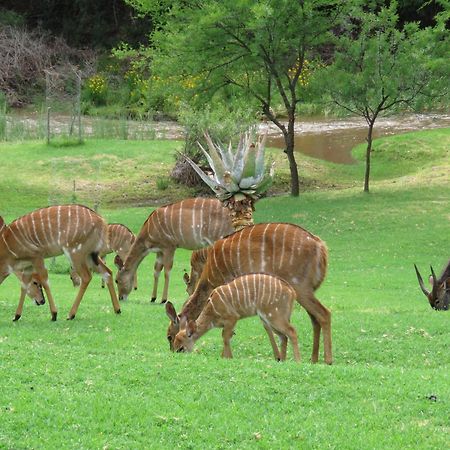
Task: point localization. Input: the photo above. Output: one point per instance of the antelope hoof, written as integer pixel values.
(71, 317)
(163, 301)
(119, 311)
(54, 315)
(16, 317)
(153, 299)
(135, 288)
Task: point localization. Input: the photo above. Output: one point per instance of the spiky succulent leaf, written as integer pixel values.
(214, 161)
(239, 157)
(210, 182)
(259, 163)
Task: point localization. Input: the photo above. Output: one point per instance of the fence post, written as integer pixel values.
(48, 125)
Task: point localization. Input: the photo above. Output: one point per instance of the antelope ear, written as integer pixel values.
(171, 313)
(191, 328)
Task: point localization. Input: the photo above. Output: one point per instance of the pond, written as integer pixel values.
(333, 140)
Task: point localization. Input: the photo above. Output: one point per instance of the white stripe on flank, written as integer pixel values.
(7, 246)
(200, 228)
(15, 237)
(283, 246)
(43, 228)
(50, 232)
(77, 222)
(34, 231)
(238, 255)
(263, 248)
(274, 246)
(194, 223)
(23, 228)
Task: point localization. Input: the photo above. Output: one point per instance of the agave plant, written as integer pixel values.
(239, 177)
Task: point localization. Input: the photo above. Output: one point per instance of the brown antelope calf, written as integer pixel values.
(74, 230)
(191, 224)
(439, 296)
(271, 298)
(120, 240)
(280, 249)
(198, 261)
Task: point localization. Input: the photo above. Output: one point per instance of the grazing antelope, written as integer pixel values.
(279, 249)
(198, 261)
(191, 224)
(269, 297)
(74, 230)
(120, 240)
(439, 297)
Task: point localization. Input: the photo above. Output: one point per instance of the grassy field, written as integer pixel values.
(109, 382)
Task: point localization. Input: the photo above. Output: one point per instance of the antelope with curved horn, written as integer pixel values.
(74, 230)
(271, 298)
(439, 296)
(280, 249)
(191, 224)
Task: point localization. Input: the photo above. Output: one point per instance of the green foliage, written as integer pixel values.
(379, 68)
(229, 51)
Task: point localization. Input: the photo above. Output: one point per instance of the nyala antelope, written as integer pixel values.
(191, 224)
(279, 249)
(439, 296)
(73, 230)
(266, 296)
(120, 240)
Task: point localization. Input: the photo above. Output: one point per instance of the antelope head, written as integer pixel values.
(35, 292)
(124, 280)
(185, 339)
(439, 296)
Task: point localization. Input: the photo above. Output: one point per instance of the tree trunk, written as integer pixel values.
(289, 140)
(241, 211)
(368, 154)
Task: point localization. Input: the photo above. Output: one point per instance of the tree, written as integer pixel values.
(379, 68)
(257, 50)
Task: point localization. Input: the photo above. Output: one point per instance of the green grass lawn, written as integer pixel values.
(109, 382)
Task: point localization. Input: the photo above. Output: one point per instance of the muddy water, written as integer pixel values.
(333, 140)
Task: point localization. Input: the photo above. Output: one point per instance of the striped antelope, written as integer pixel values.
(439, 296)
(198, 261)
(74, 230)
(269, 297)
(191, 224)
(120, 240)
(278, 249)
